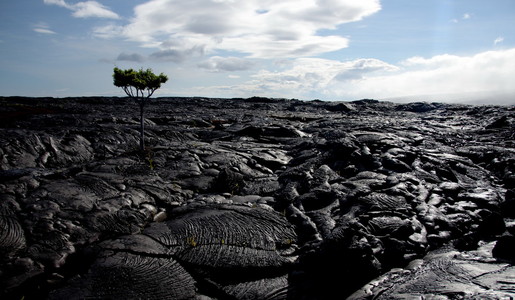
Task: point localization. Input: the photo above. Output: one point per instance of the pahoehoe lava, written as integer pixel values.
(256, 199)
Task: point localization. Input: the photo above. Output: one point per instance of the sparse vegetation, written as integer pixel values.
(191, 241)
(139, 85)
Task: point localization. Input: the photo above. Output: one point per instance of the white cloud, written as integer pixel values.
(258, 28)
(86, 9)
(230, 64)
(307, 78)
(302, 77)
(56, 2)
(443, 74)
(316, 75)
(498, 40)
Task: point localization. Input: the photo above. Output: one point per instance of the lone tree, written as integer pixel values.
(139, 85)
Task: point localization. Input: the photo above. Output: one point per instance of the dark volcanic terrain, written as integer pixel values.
(256, 199)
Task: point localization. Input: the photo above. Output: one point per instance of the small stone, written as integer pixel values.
(160, 216)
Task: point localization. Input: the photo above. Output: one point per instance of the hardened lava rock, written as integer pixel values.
(255, 199)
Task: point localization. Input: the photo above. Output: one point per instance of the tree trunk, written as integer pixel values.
(142, 125)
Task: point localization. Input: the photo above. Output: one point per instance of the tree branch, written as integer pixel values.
(131, 92)
(151, 92)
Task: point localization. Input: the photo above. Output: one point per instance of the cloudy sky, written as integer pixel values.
(305, 49)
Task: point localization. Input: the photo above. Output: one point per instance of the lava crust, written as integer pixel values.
(255, 199)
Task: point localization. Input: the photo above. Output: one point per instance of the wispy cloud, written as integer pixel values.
(177, 55)
(85, 9)
(135, 57)
(229, 64)
(109, 31)
(498, 40)
(43, 28)
(465, 16)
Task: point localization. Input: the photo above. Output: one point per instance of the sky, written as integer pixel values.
(303, 49)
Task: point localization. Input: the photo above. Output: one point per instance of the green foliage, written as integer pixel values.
(138, 84)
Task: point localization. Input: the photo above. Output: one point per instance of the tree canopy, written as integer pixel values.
(138, 84)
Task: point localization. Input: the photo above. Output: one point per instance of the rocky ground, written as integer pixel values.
(256, 199)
